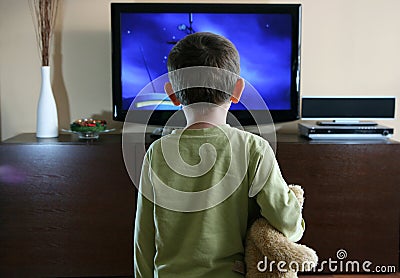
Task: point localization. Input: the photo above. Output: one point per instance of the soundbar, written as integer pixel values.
(347, 108)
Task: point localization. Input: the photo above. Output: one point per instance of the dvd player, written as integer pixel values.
(314, 131)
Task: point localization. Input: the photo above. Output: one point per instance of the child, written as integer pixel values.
(207, 183)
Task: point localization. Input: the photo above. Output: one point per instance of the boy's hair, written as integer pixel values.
(204, 49)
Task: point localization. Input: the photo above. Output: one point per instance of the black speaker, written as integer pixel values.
(350, 108)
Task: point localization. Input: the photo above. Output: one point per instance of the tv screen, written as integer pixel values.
(267, 37)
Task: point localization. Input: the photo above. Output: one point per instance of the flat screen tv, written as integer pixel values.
(267, 37)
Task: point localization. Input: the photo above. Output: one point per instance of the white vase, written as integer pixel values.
(47, 118)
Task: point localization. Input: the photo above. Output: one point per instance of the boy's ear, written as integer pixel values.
(238, 90)
(171, 94)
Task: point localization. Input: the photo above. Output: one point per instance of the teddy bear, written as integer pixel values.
(265, 244)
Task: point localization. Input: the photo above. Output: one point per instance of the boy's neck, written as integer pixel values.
(205, 115)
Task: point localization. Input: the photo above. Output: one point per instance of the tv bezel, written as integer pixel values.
(160, 117)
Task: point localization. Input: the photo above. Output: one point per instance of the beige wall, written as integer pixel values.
(350, 47)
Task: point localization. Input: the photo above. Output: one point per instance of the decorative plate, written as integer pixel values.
(88, 135)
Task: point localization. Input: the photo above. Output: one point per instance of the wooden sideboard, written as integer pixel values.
(67, 206)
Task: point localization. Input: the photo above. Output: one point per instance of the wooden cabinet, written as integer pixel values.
(67, 206)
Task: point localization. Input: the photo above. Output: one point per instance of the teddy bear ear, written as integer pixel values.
(296, 188)
(298, 192)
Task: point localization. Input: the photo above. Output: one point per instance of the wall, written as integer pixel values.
(350, 47)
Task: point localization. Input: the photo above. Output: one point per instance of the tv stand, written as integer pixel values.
(68, 207)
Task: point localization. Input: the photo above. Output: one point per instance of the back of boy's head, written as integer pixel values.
(204, 49)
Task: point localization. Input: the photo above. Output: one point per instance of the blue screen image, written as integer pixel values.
(263, 41)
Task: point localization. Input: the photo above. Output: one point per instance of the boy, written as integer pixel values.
(206, 183)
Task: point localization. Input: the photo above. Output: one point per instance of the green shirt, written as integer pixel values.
(208, 185)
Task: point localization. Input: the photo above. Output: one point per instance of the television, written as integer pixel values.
(267, 36)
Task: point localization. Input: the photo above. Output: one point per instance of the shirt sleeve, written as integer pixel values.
(144, 245)
(278, 204)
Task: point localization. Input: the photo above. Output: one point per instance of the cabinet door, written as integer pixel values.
(65, 210)
(351, 198)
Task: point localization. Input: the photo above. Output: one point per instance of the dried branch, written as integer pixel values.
(44, 14)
